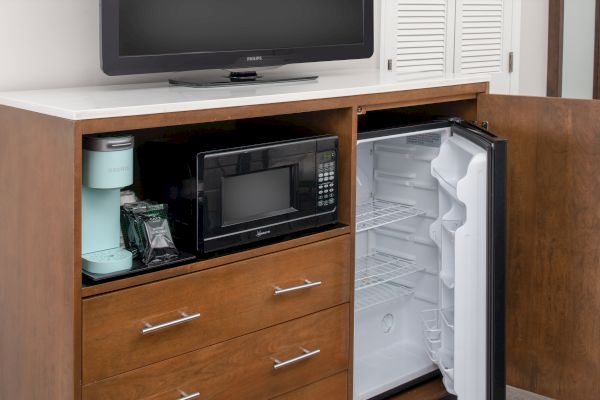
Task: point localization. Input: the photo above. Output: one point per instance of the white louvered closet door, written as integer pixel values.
(483, 40)
(418, 37)
(428, 38)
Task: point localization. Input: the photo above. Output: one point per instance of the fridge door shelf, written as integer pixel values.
(447, 315)
(447, 187)
(380, 294)
(432, 348)
(430, 320)
(376, 212)
(447, 278)
(446, 364)
(380, 267)
(448, 377)
(434, 322)
(450, 227)
(452, 163)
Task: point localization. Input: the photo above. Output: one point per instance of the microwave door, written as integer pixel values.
(258, 189)
(471, 172)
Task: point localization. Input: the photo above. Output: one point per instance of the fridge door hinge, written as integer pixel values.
(511, 62)
(390, 64)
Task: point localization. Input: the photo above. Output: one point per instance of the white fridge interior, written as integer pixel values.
(420, 252)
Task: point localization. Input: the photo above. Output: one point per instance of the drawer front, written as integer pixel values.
(306, 349)
(332, 388)
(143, 325)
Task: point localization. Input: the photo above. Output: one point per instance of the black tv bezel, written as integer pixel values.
(115, 64)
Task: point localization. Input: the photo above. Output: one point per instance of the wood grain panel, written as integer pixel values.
(39, 289)
(232, 300)
(242, 368)
(553, 277)
(332, 388)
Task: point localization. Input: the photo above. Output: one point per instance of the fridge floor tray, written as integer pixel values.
(388, 368)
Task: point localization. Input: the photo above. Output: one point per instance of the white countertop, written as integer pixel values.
(142, 99)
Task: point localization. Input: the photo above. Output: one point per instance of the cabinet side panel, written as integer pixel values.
(553, 279)
(37, 282)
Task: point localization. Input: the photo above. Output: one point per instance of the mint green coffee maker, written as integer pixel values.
(107, 168)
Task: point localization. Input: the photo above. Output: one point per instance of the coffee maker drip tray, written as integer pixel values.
(137, 267)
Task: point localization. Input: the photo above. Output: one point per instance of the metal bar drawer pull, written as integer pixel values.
(307, 285)
(307, 354)
(185, 396)
(184, 319)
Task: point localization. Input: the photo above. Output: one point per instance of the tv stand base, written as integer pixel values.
(241, 79)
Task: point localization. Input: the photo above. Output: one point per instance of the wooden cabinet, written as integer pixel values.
(61, 340)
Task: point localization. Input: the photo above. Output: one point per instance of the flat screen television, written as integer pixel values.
(146, 36)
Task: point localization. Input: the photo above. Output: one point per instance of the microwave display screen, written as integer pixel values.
(256, 195)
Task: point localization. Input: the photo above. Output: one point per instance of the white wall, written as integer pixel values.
(55, 43)
(578, 49)
(533, 60)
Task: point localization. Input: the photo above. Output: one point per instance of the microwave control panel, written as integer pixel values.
(327, 180)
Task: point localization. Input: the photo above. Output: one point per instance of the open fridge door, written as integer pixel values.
(466, 333)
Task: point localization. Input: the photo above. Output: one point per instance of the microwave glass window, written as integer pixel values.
(257, 195)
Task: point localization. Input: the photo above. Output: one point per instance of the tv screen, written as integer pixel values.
(140, 36)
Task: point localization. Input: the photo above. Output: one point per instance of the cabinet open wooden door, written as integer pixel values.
(553, 273)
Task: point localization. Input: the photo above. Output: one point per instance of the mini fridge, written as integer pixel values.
(430, 258)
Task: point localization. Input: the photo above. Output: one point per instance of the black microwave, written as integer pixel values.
(224, 192)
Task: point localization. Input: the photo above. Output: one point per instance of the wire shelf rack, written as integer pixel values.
(380, 267)
(376, 213)
(379, 294)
